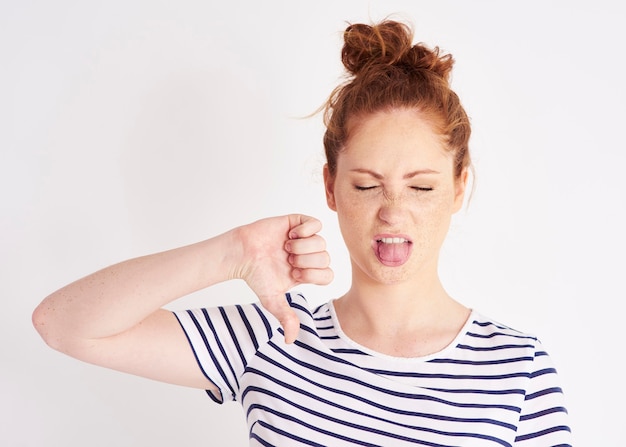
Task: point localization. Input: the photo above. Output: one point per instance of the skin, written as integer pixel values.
(115, 317)
(395, 178)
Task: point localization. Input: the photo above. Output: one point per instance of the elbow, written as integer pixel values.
(43, 322)
(56, 329)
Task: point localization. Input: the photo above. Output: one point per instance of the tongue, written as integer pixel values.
(394, 254)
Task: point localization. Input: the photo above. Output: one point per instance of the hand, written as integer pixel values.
(279, 253)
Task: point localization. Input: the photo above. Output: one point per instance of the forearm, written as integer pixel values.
(117, 298)
(271, 255)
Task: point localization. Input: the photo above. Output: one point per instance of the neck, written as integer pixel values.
(409, 318)
(402, 304)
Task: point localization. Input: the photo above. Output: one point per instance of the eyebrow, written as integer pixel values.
(406, 176)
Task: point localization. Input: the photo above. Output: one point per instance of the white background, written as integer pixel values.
(128, 127)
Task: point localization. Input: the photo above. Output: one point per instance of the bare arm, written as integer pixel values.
(114, 317)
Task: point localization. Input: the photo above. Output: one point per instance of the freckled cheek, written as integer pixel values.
(434, 227)
(430, 214)
(353, 218)
(355, 221)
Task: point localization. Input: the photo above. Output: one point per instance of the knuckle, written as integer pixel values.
(330, 275)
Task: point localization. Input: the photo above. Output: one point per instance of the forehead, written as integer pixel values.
(395, 138)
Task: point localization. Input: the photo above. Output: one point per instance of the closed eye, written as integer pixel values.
(421, 188)
(364, 188)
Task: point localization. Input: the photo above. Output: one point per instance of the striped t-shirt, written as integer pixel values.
(492, 386)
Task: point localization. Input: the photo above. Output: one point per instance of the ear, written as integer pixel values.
(460, 185)
(329, 186)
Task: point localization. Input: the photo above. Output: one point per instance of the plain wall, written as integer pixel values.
(129, 127)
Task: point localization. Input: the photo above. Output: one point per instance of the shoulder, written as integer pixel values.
(487, 341)
(309, 316)
(495, 342)
(487, 328)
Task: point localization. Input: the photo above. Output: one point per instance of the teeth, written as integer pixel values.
(393, 240)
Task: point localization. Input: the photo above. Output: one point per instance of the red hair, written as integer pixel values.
(387, 71)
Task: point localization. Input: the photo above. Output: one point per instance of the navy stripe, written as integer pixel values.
(342, 437)
(477, 391)
(221, 348)
(286, 434)
(495, 385)
(268, 327)
(301, 308)
(366, 401)
(235, 341)
(543, 413)
(544, 392)
(248, 326)
(482, 362)
(489, 323)
(492, 348)
(497, 334)
(372, 387)
(317, 309)
(348, 351)
(262, 441)
(542, 372)
(447, 376)
(308, 329)
(330, 337)
(195, 354)
(210, 351)
(499, 326)
(538, 434)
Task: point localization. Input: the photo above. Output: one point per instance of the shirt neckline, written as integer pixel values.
(452, 345)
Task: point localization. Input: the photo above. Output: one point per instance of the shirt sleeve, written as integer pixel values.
(223, 339)
(544, 419)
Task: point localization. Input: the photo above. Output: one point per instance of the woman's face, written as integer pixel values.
(394, 193)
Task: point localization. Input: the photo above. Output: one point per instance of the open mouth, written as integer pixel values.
(392, 250)
(392, 240)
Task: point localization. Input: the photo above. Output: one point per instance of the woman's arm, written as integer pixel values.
(114, 317)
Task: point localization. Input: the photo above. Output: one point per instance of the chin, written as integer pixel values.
(378, 273)
(390, 275)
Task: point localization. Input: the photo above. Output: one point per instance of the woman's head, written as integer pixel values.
(387, 71)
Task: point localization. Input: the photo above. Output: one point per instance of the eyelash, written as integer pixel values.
(421, 188)
(416, 188)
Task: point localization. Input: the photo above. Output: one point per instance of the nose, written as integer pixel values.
(391, 209)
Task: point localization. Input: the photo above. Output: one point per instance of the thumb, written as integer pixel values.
(286, 316)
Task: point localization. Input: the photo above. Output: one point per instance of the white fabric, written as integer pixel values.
(492, 386)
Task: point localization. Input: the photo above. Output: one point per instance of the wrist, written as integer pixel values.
(234, 253)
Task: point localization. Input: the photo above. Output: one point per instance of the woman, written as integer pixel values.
(394, 361)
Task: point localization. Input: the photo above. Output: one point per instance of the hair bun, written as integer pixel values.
(389, 43)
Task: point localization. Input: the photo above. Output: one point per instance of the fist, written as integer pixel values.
(279, 253)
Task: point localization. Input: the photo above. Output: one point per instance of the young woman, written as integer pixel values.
(395, 360)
